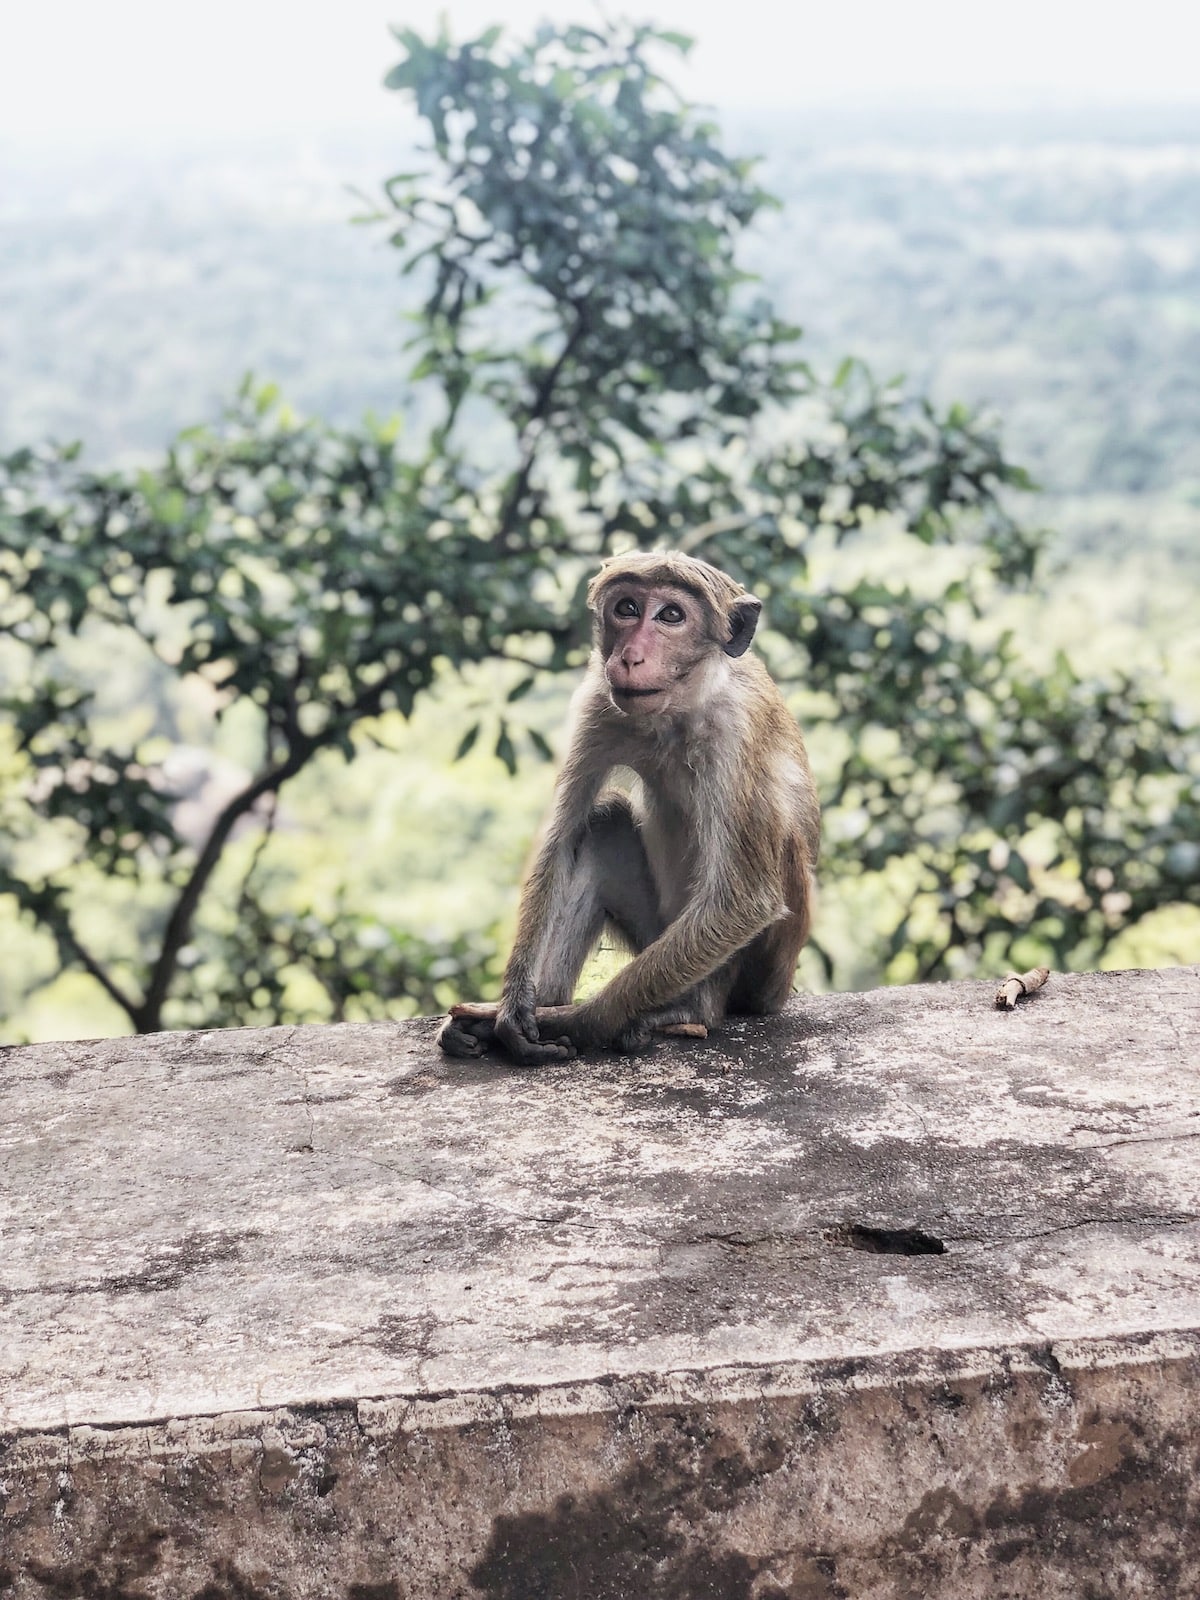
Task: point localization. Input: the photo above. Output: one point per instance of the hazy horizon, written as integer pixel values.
(77, 73)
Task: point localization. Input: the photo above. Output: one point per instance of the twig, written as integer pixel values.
(1019, 983)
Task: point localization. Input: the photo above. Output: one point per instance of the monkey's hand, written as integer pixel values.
(475, 1026)
(517, 1030)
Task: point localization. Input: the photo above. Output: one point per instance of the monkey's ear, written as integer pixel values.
(743, 619)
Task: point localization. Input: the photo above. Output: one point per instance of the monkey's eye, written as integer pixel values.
(670, 613)
(627, 608)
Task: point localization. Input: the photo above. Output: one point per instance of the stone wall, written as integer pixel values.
(894, 1295)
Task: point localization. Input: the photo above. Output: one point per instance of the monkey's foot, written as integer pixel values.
(635, 1039)
(464, 1038)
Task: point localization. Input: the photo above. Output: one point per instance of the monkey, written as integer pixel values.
(704, 868)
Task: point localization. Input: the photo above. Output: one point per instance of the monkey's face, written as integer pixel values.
(652, 639)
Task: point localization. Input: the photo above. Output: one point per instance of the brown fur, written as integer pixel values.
(706, 870)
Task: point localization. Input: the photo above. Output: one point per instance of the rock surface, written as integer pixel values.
(893, 1295)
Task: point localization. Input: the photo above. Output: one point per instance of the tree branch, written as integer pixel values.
(70, 938)
(535, 421)
(148, 1016)
(264, 840)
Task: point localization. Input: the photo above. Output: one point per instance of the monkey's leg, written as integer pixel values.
(617, 864)
(766, 968)
(567, 938)
(611, 886)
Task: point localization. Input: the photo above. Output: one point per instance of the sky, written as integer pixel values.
(74, 70)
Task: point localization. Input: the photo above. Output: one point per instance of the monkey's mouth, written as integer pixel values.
(633, 694)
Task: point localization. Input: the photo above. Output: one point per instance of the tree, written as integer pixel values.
(598, 372)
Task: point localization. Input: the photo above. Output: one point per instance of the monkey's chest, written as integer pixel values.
(671, 837)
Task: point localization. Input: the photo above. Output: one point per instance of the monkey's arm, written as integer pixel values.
(544, 914)
(721, 919)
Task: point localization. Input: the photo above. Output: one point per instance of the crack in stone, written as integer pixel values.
(1166, 1220)
(306, 1145)
(1150, 1138)
(744, 1241)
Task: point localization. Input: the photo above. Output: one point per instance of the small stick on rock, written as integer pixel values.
(1019, 983)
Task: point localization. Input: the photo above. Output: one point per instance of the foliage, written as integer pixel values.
(1040, 814)
(601, 374)
(311, 574)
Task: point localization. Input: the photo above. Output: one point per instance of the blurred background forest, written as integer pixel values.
(1002, 718)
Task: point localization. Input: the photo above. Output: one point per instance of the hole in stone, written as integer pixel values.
(891, 1241)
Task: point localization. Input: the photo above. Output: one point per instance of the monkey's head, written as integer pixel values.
(662, 621)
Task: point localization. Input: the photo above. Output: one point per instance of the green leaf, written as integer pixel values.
(506, 750)
(1018, 871)
(467, 743)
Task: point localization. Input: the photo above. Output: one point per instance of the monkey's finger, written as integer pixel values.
(541, 1052)
(684, 1030)
(523, 1044)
